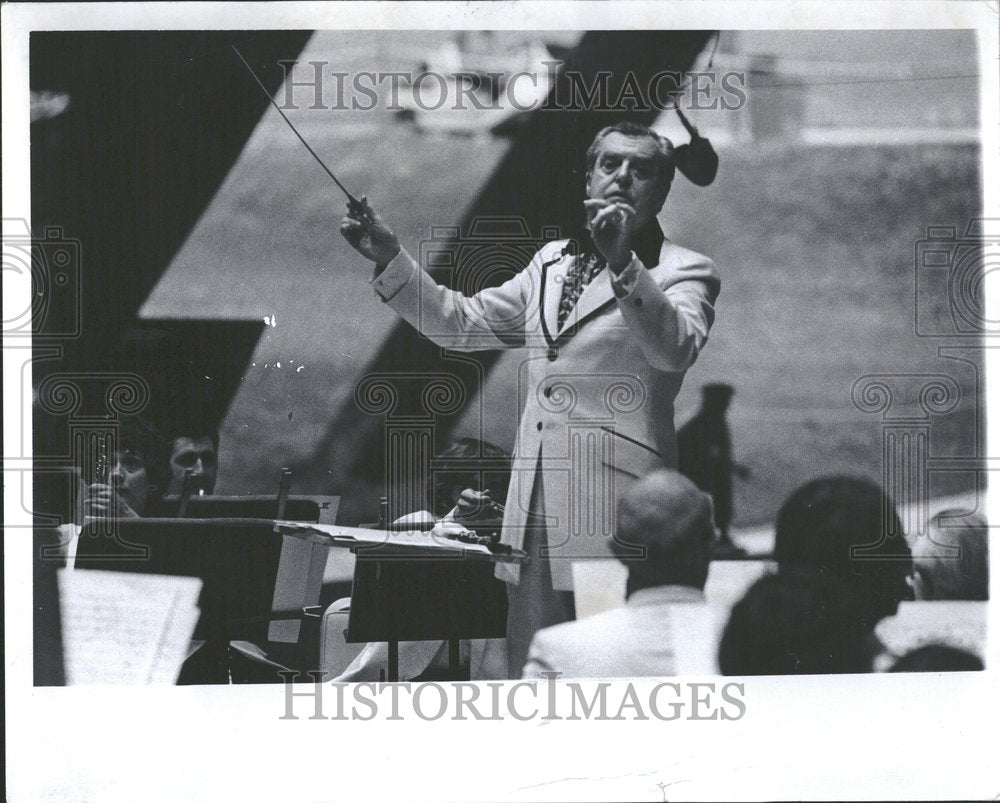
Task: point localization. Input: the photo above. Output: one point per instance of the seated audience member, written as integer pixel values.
(671, 519)
(196, 449)
(838, 526)
(952, 560)
(797, 623)
(938, 658)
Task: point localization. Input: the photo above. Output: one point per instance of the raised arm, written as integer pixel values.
(492, 319)
(671, 324)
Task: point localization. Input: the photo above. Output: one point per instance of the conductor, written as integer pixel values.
(608, 330)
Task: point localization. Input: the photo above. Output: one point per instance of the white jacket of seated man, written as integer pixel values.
(648, 636)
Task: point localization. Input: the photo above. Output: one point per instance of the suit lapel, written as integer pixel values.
(554, 280)
(666, 263)
(598, 292)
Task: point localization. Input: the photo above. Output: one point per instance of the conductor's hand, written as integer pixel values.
(611, 230)
(365, 230)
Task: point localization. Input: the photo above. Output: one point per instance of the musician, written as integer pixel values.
(848, 527)
(671, 520)
(460, 473)
(198, 450)
(798, 622)
(134, 477)
(608, 334)
(952, 560)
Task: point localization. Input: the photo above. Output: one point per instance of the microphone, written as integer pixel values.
(697, 161)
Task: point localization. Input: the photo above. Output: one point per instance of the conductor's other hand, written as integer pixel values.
(365, 230)
(610, 227)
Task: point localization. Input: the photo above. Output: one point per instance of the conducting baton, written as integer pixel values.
(356, 205)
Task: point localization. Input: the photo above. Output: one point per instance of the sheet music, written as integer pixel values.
(125, 628)
(359, 536)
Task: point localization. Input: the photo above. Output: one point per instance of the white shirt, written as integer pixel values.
(638, 639)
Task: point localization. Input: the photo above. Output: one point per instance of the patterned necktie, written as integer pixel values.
(585, 268)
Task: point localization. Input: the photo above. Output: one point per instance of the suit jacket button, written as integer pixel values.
(553, 353)
(539, 426)
(548, 392)
(638, 302)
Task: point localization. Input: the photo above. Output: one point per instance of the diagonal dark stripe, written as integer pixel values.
(155, 122)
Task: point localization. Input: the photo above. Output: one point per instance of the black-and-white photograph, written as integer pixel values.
(372, 365)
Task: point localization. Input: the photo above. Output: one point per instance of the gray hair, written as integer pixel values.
(664, 147)
(953, 558)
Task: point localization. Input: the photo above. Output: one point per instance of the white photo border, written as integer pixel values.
(846, 737)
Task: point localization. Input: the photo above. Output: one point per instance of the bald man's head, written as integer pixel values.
(664, 529)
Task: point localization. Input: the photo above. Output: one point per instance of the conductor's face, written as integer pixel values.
(628, 169)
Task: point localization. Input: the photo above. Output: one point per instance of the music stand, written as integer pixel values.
(296, 508)
(236, 559)
(49, 667)
(413, 587)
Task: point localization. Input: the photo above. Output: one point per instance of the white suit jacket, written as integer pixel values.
(637, 639)
(599, 390)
